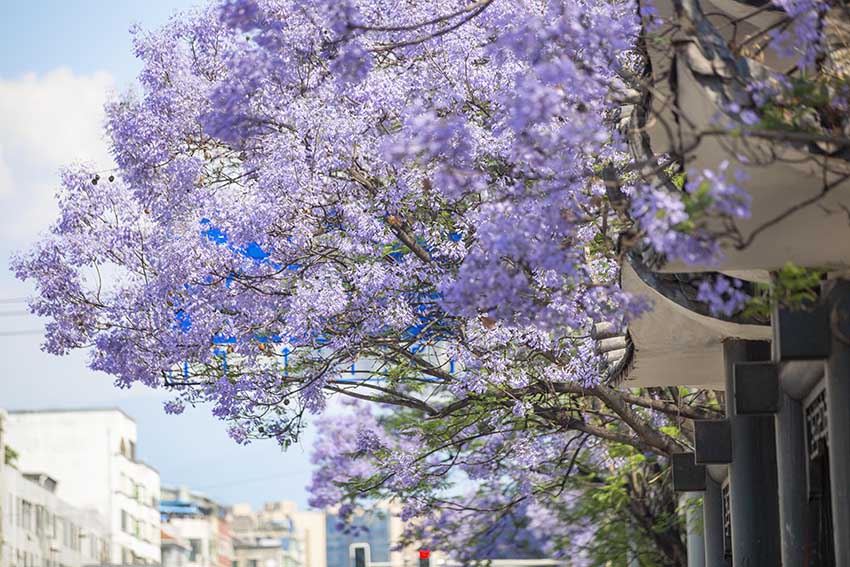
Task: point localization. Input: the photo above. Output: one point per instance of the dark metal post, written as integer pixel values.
(838, 422)
(791, 475)
(712, 520)
(753, 483)
(800, 345)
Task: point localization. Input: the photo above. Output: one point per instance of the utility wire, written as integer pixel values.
(13, 300)
(13, 313)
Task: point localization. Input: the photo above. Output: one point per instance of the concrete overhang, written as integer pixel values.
(734, 22)
(800, 193)
(675, 345)
(801, 197)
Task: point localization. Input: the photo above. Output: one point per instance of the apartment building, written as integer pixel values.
(93, 454)
(201, 523)
(37, 528)
(278, 535)
(372, 538)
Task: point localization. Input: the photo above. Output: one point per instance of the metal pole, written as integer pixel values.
(752, 473)
(712, 520)
(838, 422)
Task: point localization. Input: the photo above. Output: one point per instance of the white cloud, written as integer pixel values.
(46, 121)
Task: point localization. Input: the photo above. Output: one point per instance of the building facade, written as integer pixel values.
(176, 550)
(278, 535)
(93, 453)
(200, 522)
(369, 538)
(37, 528)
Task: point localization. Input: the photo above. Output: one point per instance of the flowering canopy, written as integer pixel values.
(422, 204)
(299, 191)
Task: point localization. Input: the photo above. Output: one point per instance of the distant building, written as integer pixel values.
(370, 538)
(278, 536)
(198, 521)
(175, 549)
(37, 528)
(93, 455)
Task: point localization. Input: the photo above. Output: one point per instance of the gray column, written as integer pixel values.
(838, 408)
(712, 520)
(791, 476)
(752, 473)
(691, 507)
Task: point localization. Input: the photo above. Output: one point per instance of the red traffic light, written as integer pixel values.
(424, 553)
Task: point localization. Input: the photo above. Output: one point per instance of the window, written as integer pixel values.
(26, 515)
(816, 431)
(358, 555)
(196, 549)
(252, 563)
(75, 537)
(39, 519)
(726, 499)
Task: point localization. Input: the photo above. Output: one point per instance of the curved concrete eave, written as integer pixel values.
(779, 177)
(675, 346)
(733, 21)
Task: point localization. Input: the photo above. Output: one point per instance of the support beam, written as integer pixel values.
(752, 473)
(801, 334)
(687, 475)
(712, 520)
(713, 441)
(756, 388)
(791, 476)
(838, 408)
(691, 506)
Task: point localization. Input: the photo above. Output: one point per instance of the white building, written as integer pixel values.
(37, 528)
(176, 550)
(201, 523)
(93, 453)
(278, 536)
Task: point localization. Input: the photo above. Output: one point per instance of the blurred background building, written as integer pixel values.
(73, 494)
(88, 460)
(39, 528)
(193, 519)
(278, 535)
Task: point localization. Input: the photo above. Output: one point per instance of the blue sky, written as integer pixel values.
(61, 60)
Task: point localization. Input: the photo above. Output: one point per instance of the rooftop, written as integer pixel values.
(71, 410)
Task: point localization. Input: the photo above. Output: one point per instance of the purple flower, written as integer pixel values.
(723, 296)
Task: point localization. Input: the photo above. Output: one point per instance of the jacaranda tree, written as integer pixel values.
(420, 206)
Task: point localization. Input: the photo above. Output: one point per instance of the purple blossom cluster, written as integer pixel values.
(301, 184)
(723, 295)
(393, 202)
(802, 38)
(684, 225)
